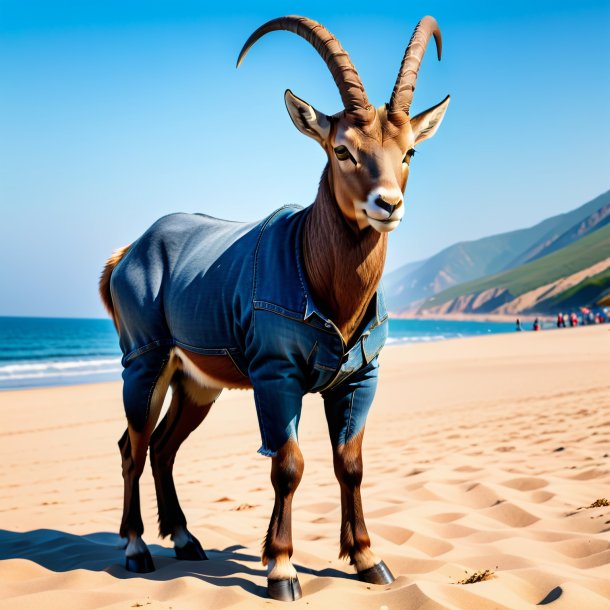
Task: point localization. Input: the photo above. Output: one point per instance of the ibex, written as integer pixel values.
(285, 306)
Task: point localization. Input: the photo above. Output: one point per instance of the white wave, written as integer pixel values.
(59, 366)
(416, 339)
(42, 375)
(59, 369)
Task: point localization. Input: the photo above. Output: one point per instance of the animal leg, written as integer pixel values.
(346, 408)
(286, 472)
(355, 541)
(133, 446)
(189, 407)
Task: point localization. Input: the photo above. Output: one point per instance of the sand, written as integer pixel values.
(480, 454)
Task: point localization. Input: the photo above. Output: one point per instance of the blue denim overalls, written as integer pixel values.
(238, 289)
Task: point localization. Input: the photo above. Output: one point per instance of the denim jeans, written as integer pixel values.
(239, 289)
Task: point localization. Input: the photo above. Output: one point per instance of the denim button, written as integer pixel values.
(327, 324)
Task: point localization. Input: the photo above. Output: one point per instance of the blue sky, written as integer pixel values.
(115, 113)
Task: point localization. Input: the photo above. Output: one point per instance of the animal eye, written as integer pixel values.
(408, 156)
(343, 154)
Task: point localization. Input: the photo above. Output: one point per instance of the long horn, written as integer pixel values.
(402, 95)
(346, 78)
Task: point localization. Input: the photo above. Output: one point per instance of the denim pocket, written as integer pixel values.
(373, 342)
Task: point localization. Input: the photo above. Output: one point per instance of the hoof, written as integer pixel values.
(285, 590)
(141, 563)
(191, 551)
(377, 575)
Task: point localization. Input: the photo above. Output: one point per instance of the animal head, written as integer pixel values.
(369, 149)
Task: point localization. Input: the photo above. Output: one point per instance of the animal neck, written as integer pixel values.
(343, 264)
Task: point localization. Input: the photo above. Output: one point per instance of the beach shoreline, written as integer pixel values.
(480, 453)
(47, 352)
(476, 317)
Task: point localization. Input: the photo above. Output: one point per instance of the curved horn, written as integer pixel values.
(402, 95)
(346, 78)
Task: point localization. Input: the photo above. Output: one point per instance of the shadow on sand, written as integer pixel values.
(101, 552)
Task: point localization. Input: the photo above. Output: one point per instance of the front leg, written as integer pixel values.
(286, 472)
(346, 410)
(278, 405)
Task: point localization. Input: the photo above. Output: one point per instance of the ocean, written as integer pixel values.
(38, 352)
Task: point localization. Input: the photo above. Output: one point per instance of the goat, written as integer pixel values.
(285, 306)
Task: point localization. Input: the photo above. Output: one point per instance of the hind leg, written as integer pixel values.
(189, 407)
(133, 446)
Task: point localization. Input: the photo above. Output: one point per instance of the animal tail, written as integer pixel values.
(111, 263)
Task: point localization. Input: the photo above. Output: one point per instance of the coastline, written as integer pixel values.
(479, 454)
(474, 317)
(48, 352)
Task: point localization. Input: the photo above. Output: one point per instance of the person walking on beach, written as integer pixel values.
(560, 320)
(518, 326)
(536, 324)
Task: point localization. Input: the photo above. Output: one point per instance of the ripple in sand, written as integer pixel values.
(467, 468)
(393, 533)
(591, 473)
(511, 515)
(541, 496)
(474, 495)
(320, 507)
(582, 547)
(445, 517)
(526, 483)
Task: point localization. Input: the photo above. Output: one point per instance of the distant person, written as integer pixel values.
(518, 325)
(573, 320)
(560, 321)
(536, 324)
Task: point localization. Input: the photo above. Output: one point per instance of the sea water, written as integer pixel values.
(63, 351)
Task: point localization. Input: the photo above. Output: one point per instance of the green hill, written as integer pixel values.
(591, 291)
(571, 259)
(407, 287)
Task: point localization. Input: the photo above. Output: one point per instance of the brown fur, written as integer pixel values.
(104, 285)
(286, 472)
(183, 416)
(343, 265)
(347, 460)
(221, 369)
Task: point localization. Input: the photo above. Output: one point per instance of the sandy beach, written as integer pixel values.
(480, 454)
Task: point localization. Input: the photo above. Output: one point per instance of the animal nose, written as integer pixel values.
(384, 205)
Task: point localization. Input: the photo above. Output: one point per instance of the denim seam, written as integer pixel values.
(313, 349)
(147, 348)
(298, 320)
(324, 367)
(298, 254)
(258, 244)
(262, 427)
(204, 351)
(236, 365)
(152, 388)
(278, 309)
(349, 421)
(255, 265)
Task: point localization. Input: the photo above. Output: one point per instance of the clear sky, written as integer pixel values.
(115, 112)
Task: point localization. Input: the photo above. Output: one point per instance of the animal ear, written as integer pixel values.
(426, 123)
(306, 118)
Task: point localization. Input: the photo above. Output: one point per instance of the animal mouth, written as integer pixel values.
(387, 221)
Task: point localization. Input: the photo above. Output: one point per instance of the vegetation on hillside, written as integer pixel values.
(462, 262)
(590, 291)
(571, 259)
